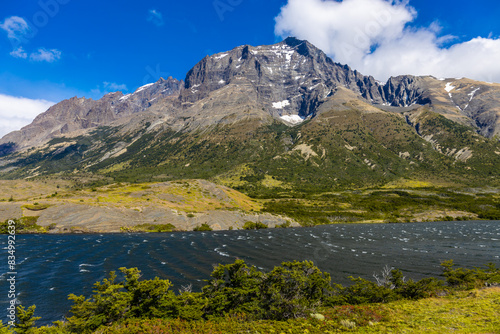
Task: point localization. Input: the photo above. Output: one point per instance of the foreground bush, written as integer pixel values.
(238, 298)
(295, 289)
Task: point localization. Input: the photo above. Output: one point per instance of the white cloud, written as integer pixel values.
(16, 27)
(19, 53)
(374, 37)
(108, 87)
(43, 54)
(16, 112)
(155, 17)
(114, 86)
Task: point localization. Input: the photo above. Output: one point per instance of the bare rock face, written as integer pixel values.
(465, 101)
(291, 78)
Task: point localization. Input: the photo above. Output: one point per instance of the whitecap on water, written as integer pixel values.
(218, 251)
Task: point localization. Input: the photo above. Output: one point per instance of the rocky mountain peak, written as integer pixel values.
(291, 78)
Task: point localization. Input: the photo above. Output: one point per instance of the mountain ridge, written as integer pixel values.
(257, 114)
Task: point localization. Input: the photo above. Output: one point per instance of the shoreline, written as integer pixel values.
(234, 230)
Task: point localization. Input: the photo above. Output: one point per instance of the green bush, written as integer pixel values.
(237, 297)
(203, 228)
(254, 226)
(292, 290)
(23, 225)
(390, 286)
(460, 278)
(114, 300)
(25, 319)
(284, 225)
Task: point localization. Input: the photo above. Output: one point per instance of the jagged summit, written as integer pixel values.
(291, 78)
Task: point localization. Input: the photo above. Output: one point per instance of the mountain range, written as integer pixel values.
(271, 120)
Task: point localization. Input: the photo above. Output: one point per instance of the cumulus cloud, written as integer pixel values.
(16, 112)
(16, 27)
(108, 87)
(49, 56)
(155, 17)
(19, 53)
(113, 86)
(376, 38)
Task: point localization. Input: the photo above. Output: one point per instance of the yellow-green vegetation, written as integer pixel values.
(187, 196)
(24, 225)
(235, 177)
(408, 184)
(295, 297)
(389, 205)
(36, 206)
(476, 311)
(115, 168)
(22, 190)
(243, 175)
(150, 228)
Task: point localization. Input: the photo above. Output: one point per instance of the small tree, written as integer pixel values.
(25, 320)
(293, 290)
(113, 301)
(233, 288)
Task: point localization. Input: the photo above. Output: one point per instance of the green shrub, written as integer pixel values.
(114, 300)
(25, 319)
(203, 228)
(23, 225)
(237, 298)
(460, 278)
(254, 226)
(292, 290)
(284, 225)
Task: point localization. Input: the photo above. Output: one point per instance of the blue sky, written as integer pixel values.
(51, 50)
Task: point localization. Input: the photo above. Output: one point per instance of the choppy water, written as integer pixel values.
(52, 266)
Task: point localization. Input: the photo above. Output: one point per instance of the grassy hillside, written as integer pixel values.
(346, 146)
(350, 163)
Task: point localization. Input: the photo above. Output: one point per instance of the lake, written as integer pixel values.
(52, 266)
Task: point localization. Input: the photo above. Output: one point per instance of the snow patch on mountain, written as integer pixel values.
(140, 89)
(449, 87)
(281, 105)
(294, 119)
